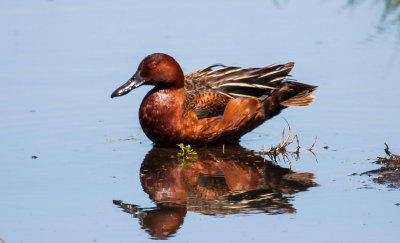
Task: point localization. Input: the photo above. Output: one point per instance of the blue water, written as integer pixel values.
(60, 61)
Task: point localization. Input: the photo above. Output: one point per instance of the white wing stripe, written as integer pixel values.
(259, 86)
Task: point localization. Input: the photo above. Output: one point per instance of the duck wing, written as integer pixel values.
(206, 103)
(210, 89)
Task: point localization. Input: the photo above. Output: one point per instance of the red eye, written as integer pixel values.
(153, 65)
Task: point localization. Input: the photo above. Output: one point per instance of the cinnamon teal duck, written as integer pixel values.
(215, 105)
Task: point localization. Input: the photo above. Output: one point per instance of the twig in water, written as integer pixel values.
(280, 151)
(312, 146)
(387, 151)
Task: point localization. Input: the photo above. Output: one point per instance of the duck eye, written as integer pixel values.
(153, 65)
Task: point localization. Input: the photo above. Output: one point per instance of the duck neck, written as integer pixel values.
(179, 79)
(175, 82)
(169, 87)
(175, 77)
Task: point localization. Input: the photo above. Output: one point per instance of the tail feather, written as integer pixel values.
(290, 94)
(296, 94)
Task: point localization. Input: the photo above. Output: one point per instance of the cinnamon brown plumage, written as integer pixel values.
(217, 104)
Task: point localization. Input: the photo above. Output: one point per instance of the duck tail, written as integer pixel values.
(289, 94)
(296, 94)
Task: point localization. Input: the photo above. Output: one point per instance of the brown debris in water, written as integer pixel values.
(389, 173)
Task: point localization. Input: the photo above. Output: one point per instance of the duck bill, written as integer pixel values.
(132, 83)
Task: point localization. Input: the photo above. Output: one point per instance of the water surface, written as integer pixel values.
(60, 61)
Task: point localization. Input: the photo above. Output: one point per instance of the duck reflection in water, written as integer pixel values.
(233, 181)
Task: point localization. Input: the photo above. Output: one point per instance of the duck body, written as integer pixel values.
(215, 105)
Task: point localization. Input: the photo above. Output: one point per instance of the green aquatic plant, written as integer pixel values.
(132, 139)
(186, 156)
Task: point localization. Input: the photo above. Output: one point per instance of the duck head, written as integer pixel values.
(156, 69)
